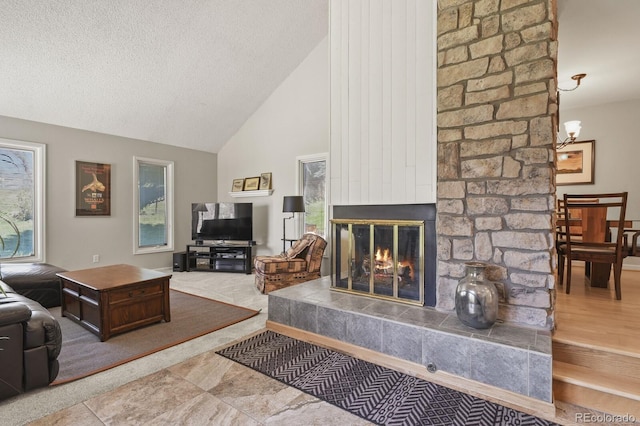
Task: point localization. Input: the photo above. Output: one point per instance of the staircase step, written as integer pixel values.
(602, 360)
(588, 387)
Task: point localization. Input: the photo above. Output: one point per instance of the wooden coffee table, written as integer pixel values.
(114, 299)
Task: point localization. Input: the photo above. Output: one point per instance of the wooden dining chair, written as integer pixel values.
(596, 241)
(630, 241)
(575, 225)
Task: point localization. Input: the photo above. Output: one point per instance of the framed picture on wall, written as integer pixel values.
(238, 185)
(251, 184)
(93, 189)
(576, 164)
(265, 181)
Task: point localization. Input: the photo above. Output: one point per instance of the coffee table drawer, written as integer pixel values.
(128, 316)
(133, 293)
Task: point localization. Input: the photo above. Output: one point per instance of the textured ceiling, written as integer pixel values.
(189, 73)
(599, 38)
(180, 72)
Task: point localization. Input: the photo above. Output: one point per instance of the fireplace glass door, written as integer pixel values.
(379, 258)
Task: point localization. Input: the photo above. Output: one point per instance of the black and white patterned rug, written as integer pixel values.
(377, 394)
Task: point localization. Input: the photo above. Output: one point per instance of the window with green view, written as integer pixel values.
(154, 215)
(21, 200)
(313, 172)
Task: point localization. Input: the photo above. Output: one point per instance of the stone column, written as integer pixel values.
(496, 117)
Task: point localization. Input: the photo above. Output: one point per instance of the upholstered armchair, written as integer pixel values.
(298, 264)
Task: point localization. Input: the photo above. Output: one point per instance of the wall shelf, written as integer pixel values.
(258, 193)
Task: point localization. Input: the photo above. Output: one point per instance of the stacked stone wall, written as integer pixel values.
(496, 117)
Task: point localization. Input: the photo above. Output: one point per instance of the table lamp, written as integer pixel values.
(199, 208)
(291, 204)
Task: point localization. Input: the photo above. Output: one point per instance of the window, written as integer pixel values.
(312, 180)
(22, 200)
(153, 216)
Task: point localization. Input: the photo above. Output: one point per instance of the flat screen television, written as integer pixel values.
(221, 222)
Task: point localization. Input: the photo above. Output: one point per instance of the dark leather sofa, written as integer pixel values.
(37, 281)
(30, 342)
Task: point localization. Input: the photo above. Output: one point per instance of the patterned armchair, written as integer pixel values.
(300, 263)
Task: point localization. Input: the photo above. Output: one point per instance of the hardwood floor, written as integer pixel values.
(593, 316)
(596, 350)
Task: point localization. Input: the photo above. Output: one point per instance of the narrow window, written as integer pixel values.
(154, 205)
(312, 180)
(22, 200)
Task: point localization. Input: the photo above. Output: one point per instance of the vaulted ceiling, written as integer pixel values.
(180, 72)
(191, 72)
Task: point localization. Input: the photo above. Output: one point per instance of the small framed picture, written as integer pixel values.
(238, 185)
(576, 164)
(251, 184)
(265, 181)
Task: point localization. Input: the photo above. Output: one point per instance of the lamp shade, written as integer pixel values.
(293, 204)
(572, 128)
(200, 207)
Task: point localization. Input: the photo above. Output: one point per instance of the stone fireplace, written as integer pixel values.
(385, 251)
(495, 124)
(505, 356)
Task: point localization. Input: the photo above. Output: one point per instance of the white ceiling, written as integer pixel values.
(180, 72)
(599, 38)
(191, 72)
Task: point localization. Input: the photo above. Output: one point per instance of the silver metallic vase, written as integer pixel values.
(476, 298)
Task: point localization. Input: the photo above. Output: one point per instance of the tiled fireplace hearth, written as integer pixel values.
(505, 356)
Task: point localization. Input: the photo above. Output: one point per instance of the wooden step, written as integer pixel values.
(591, 388)
(602, 360)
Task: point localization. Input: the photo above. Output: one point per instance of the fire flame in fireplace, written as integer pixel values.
(384, 264)
(382, 256)
(384, 261)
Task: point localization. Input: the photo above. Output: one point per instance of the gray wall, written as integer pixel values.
(292, 122)
(71, 241)
(612, 126)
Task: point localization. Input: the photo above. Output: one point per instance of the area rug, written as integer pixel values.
(377, 394)
(192, 316)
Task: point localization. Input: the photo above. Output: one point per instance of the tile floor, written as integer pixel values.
(188, 384)
(185, 384)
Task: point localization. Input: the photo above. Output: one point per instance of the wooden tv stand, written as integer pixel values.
(220, 257)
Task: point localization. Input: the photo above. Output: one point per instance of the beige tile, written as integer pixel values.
(256, 394)
(206, 370)
(142, 400)
(315, 413)
(204, 409)
(78, 415)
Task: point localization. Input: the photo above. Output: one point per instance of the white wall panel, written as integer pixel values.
(387, 90)
(354, 82)
(383, 144)
(375, 124)
(335, 101)
(426, 145)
